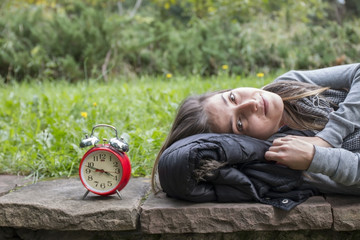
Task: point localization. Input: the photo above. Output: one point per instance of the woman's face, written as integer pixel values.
(249, 111)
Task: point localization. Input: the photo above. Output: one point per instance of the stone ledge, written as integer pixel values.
(58, 205)
(164, 215)
(346, 212)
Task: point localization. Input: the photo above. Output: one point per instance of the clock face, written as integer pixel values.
(101, 171)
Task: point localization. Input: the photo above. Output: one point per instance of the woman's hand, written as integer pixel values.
(291, 151)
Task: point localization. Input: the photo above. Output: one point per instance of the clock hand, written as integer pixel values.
(108, 173)
(96, 169)
(101, 170)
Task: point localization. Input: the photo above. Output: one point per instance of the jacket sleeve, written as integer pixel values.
(343, 121)
(177, 163)
(340, 165)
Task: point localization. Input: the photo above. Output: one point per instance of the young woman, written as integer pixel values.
(326, 101)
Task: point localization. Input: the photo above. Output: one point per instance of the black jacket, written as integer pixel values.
(246, 177)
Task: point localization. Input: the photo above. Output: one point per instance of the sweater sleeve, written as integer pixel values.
(340, 165)
(343, 121)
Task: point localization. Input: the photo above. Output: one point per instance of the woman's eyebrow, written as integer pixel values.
(231, 121)
(223, 98)
(231, 129)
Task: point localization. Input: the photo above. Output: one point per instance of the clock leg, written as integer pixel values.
(118, 193)
(87, 192)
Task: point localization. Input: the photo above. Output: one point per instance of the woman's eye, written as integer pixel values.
(232, 97)
(239, 125)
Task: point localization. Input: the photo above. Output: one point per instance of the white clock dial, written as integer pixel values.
(101, 171)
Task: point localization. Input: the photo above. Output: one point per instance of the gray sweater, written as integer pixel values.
(335, 170)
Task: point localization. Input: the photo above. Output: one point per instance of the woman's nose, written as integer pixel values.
(248, 105)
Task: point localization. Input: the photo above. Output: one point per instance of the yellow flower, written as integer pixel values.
(35, 50)
(94, 104)
(84, 114)
(211, 9)
(225, 67)
(167, 6)
(260, 75)
(169, 75)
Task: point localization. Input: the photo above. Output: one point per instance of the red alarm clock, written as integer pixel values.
(104, 169)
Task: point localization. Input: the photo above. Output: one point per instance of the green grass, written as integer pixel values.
(41, 123)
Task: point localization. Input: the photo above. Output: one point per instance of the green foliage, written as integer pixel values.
(75, 40)
(49, 44)
(41, 124)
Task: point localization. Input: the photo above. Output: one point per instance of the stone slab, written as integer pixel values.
(58, 205)
(165, 215)
(346, 212)
(10, 182)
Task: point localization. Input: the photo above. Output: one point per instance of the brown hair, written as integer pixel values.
(291, 92)
(190, 119)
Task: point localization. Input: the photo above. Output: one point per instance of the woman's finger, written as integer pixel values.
(272, 155)
(278, 142)
(269, 155)
(284, 139)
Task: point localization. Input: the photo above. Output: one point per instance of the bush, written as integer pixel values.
(50, 43)
(74, 40)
